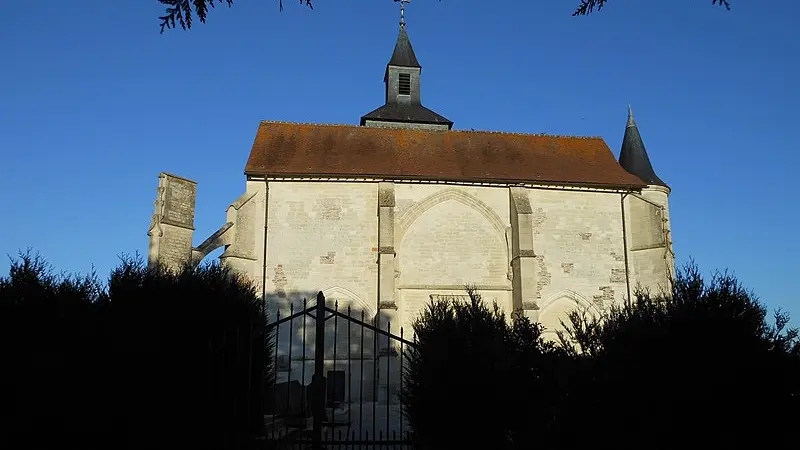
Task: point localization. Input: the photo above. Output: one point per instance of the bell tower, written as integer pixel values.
(403, 99)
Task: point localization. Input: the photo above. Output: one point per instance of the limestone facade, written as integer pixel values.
(390, 245)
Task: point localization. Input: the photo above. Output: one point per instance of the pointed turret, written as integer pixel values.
(633, 156)
(403, 101)
(403, 55)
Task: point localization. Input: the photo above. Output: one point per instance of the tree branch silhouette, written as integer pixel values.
(180, 12)
(587, 7)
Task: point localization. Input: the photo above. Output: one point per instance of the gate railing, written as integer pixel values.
(333, 414)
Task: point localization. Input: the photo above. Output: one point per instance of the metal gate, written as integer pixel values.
(357, 403)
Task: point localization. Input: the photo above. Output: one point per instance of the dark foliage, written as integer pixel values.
(586, 7)
(180, 11)
(153, 360)
(700, 366)
(472, 370)
(52, 343)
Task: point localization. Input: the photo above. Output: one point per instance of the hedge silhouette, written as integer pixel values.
(156, 359)
(474, 380)
(700, 364)
(148, 360)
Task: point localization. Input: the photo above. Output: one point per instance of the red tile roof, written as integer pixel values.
(292, 149)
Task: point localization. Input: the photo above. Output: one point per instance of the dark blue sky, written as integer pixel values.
(94, 103)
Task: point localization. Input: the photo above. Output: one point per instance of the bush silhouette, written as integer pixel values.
(156, 359)
(471, 375)
(153, 359)
(699, 365)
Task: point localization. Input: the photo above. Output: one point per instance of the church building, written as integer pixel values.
(386, 215)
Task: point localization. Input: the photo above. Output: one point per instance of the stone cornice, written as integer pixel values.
(529, 185)
(454, 287)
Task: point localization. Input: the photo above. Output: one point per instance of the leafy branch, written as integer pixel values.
(181, 11)
(588, 6)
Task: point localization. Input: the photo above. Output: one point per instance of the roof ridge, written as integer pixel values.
(510, 133)
(289, 122)
(517, 133)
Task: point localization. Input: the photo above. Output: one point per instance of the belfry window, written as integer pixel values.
(404, 84)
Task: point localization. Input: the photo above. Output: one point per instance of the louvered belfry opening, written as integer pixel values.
(404, 84)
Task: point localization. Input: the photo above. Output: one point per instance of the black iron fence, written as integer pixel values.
(353, 396)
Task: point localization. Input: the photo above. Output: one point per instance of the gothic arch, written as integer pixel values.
(575, 301)
(408, 218)
(339, 293)
(574, 297)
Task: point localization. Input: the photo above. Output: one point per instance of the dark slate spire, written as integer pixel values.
(633, 156)
(403, 55)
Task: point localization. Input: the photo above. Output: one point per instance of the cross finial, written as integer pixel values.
(402, 11)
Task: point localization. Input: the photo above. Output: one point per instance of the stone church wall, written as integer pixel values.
(447, 237)
(544, 251)
(579, 251)
(651, 258)
(322, 236)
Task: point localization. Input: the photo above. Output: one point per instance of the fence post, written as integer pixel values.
(318, 379)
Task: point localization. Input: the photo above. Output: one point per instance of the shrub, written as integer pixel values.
(701, 365)
(474, 380)
(155, 356)
(53, 348)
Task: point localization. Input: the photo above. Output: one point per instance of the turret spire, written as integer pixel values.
(633, 156)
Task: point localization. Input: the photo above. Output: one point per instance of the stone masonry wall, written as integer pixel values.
(324, 236)
(579, 247)
(651, 259)
(179, 199)
(176, 246)
(245, 254)
(447, 237)
(321, 236)
(172, 224)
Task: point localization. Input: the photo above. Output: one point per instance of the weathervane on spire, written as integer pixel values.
(402, 11)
